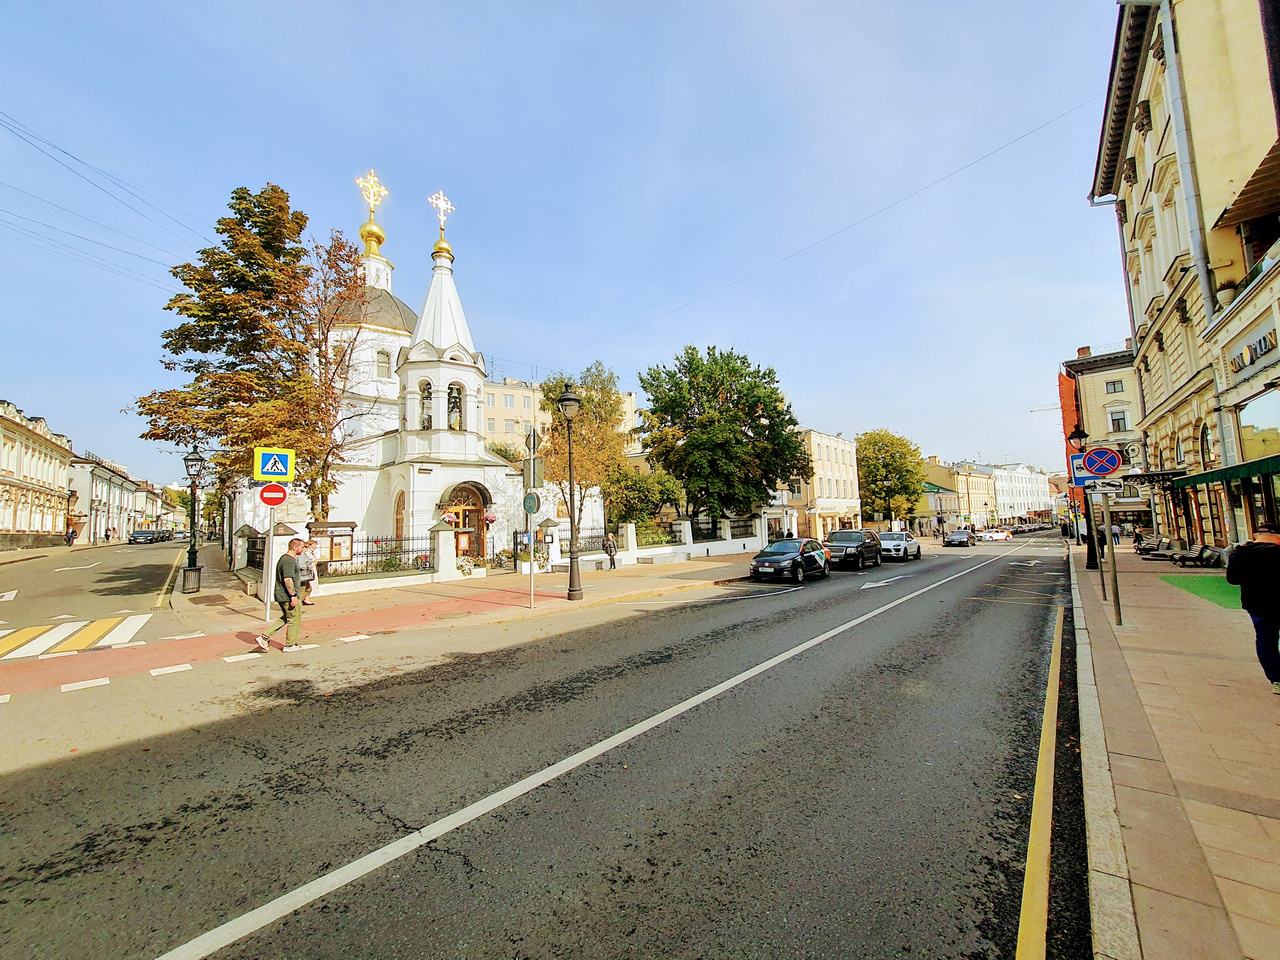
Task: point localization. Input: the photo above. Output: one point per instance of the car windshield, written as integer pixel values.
(844, 536)
(893, 537)
(959, 533)
(780, 548)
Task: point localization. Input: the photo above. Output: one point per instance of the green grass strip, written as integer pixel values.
(1208, 586)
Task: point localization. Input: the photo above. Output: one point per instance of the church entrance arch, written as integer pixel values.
(468, 502)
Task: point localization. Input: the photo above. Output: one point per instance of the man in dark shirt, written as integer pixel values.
(288, 595)
(1255, 566)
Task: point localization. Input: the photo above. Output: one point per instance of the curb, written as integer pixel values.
(1111, 912)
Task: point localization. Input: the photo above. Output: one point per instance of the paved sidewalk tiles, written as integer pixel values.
(1192, 738)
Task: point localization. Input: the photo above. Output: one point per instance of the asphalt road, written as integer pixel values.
(867, 797)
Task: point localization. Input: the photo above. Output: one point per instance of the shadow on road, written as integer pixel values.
(132, 581)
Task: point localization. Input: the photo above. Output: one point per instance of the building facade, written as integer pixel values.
(103, 507)
(511, 407)
(1189, 154)
(33, 481)
(975, 488)
(938, 510)
(1022, 493)
(829, 500)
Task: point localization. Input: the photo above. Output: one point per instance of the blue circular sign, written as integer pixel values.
(1102, 461)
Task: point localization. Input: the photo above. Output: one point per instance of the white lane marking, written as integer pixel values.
(89, 566)
(185, 636)
(354, 637)
(117, 612)
(885, 583)
(242, 656)
(4, 698)
(46, 641)
(85, 684)
(124, 631)
(772, 593)
(64, 653)
(161, 671)
(1024, 563)
(3, 632)
(228, 933)
(132, 643)
(61, 616)
(8, 595)
(303, 646)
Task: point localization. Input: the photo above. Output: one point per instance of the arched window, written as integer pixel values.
(424, 388)
(456, 394)
(1178, 455)
(1207, 455)
(384, 365)
(399, 517)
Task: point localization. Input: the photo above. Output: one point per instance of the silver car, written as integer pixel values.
(899, 545)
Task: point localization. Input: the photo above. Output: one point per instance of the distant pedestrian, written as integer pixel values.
(1115, 534)
(307, 571)
(611, 551)
(1255, 566)
(288, 595)
(71, 536)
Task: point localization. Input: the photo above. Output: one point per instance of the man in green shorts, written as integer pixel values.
(288, 595)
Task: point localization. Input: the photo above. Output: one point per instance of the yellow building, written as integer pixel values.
(510, 406)
(830, 499)
(33, 481)
(975, 490)
(1189, 153)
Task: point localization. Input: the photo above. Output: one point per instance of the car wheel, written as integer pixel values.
(826, 569)
(859, 561)
(797, 571)
(879, 559)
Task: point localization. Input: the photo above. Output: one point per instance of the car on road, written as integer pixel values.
(899, 545)
(146, 536)
(856, 547)
(959, 538)
(795, 558)
(996, 534)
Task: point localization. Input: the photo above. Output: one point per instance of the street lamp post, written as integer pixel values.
(191, 576)
(887, 483)
(1078, 438)
(569, 405)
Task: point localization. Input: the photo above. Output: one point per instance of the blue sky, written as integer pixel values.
(610, 163)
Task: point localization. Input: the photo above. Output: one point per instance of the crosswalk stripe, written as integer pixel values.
(87, 637)
(125, 631)
(18, 638)
(47, 639)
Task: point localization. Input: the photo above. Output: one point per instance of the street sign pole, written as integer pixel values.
(268, 581)
(1098, 546)
(1115, 573)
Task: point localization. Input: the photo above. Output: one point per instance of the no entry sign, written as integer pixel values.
(1101, 461)
(273, 494)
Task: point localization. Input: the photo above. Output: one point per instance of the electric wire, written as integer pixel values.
(64, 250)
(109, 246)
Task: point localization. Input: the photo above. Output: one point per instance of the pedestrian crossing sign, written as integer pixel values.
(273, 463)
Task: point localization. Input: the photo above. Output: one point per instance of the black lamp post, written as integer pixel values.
(194, 464)
(1078, 438)
(887, 483)
(569, 405)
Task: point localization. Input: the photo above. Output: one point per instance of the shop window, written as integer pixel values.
(1260, 426)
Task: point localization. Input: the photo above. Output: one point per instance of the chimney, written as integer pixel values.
(1082, 352)
(933, 461)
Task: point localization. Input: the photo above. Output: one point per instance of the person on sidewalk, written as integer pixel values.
(1255, 567)
(1115, 534)
(288, 595)
(307, 571)
(611, 551)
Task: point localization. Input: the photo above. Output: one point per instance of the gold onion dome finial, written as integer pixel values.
(443, 209)
(370, 232)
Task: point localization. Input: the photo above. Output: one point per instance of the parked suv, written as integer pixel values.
(146, 536)
(856, 547)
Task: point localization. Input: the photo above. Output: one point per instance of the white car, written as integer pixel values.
(899, 545)
(993, 535)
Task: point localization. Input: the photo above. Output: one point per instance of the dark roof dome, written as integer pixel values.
(382, 309)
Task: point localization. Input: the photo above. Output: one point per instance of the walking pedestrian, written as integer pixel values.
(611, 551)
(1255, 566)
(288, 595)
(71, 536)
(307, 571)
(1115, 534)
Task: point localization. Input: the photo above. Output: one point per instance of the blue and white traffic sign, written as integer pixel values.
(1101, 461)
(273, 463)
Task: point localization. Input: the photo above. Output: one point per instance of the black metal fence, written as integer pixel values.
(382, 555)
(705, 529)
(741, 527)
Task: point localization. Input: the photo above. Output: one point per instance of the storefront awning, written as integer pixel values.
(1253, 468)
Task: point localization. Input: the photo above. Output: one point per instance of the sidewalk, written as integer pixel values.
(1181, 768)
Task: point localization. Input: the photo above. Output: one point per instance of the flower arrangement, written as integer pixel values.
(466, 565)
(449, 517)
(490, 516)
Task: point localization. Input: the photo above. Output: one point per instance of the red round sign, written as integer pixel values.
(273, 494)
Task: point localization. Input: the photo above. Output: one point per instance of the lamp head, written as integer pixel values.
(194, 463)
(1077, 437)
(569, 403)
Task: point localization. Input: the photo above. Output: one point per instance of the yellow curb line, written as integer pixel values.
(1033, 924)
(161, 598)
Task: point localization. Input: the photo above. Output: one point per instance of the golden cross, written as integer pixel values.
(372, 190)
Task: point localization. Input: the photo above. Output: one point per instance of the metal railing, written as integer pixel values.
(382, 555)
(742, 527)
(658, 535)
(705, 529)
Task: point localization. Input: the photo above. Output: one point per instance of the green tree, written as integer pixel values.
(599, 448)
(890, 474)
(267, 338)
(720, 425)
(632, 497)
(507, 451)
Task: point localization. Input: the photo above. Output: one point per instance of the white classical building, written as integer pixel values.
(1022, 493)
(416, 401)
(33, 480)
(103, 499)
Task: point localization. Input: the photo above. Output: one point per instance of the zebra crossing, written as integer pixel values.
(70, 637)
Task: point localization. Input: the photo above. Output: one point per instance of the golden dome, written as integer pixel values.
(442, 246)
(373, 237)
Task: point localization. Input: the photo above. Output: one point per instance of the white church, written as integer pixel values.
(415, 396)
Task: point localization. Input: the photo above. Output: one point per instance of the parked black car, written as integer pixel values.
(797, 559)
(959, 538)
(856, 547)
(146, 536)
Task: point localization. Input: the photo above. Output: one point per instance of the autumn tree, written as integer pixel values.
(262, 339)
(721, 426)
(632, 497)
(890, 474)
(599, 446)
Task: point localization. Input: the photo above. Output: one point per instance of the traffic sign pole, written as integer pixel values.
(1115, 572)
(268, 581)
